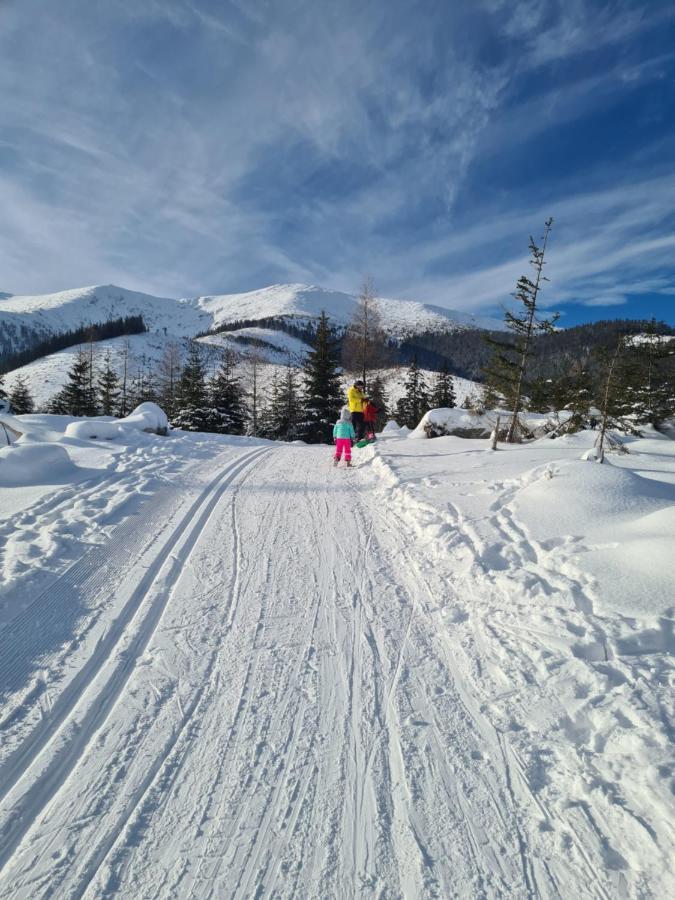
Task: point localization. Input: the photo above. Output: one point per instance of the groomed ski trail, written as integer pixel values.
(278, 714)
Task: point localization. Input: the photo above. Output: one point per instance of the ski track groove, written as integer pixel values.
(46, 785)
(134, 807)
(286, 808)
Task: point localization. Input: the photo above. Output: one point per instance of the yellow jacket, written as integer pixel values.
(356, 398)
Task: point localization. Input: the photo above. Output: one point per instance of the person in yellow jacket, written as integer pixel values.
(357, 400)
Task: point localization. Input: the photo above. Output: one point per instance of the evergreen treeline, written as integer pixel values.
(301, 328)
(467, 353)
(100, 332)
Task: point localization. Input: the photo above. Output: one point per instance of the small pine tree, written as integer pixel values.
(283, 417)
(143, 388)
(323, 392)
(20, 398)
(108, 387)
(541, 397)
(507, 369)
(415, 402)
(193, 409)
(254, 361)
(76, 398)
(443, 394)
(576, 399)
(229, 414)
(613, 399)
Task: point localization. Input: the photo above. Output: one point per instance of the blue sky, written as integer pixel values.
(185, 147)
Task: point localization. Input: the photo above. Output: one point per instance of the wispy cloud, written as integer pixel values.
(189, 146)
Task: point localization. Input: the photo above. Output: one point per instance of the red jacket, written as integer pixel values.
(369, 412)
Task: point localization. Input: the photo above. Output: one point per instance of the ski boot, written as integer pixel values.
(349, 463)
(335, 461)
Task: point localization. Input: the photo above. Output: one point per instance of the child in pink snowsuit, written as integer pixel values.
(343, 434)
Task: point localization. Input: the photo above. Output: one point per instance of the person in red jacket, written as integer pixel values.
(370, 418)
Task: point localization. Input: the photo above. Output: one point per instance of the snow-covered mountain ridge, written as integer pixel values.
(25, 318)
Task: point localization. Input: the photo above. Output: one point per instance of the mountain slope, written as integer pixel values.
(26, 319)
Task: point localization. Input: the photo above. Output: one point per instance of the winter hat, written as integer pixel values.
(345, 415)
(359, 383)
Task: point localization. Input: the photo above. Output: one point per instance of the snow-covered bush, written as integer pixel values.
(147, 417)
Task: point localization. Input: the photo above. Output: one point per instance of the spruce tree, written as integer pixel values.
(541, 395)
(577, 398)
(254, 362)
(323, 392)
(650, 377)
(443, 395)
(283, 418)
(193, 409)
(506, 372)
(20, 398)
(229, 413)
(266, 416)
(143, 386)
(75, 398)
(415, 402)
(108, 387)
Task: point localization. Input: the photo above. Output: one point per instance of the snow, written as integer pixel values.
(94, 429)
(146, 417)
(228, 669)
(30, 464)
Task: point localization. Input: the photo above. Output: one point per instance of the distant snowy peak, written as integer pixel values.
(302, 301)
(66, 310)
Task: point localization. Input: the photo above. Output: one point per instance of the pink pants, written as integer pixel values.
(343, 444)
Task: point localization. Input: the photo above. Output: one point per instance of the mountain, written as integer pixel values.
(24, 320)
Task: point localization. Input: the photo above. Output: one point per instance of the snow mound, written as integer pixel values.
(28, 464)
(93, 429)
(391, 427)
(147, 417)
(574, 494)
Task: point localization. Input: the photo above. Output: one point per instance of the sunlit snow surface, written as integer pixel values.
(229, 669)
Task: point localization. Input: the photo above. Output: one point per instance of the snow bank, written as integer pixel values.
(628, 522)
(93, 429)
(147, 417)
(28, 464)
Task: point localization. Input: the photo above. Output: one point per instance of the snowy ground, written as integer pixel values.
(229, 670)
